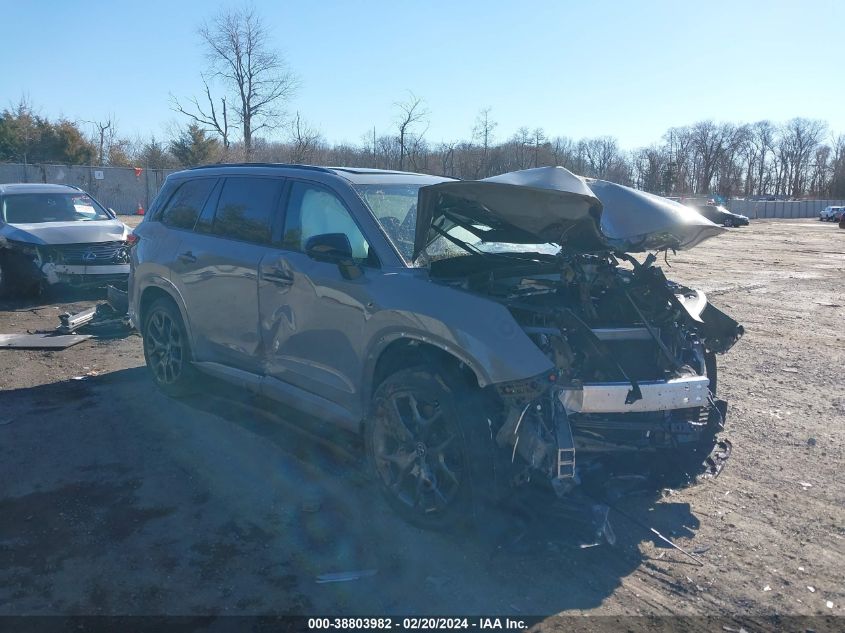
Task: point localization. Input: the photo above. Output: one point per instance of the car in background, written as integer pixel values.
(718, 214)
(58, 234)
(831, 214)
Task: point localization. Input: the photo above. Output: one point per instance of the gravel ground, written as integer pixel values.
(118, 500)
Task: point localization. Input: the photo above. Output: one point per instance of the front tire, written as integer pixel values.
(430, 447)
(167, 350)
(13, 284)
(683, 465)
(5, 289)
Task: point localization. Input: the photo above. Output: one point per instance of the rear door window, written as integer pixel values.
(246, 209)
(184, 207)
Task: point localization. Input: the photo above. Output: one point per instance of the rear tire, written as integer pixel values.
(430, 447)
(167, 350)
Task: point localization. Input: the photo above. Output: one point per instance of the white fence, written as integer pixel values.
(780, 208)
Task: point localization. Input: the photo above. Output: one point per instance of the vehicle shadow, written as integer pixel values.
(335, 520)
(502, 559)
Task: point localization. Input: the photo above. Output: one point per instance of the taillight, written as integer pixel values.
(132, 239)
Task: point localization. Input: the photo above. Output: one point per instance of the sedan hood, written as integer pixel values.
(553, 205)
(82, 232)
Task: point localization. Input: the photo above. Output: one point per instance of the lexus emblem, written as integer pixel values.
(89, 256)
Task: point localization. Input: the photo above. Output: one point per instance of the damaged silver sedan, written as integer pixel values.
(484, 337)
(58, 234)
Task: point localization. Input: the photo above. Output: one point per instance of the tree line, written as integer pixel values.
(240, 116)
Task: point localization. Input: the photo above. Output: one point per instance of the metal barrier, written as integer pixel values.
(758, 209)
(123, 189)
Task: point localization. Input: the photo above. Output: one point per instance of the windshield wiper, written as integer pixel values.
(472, 250)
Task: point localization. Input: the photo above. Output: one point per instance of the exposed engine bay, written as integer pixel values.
(635, 369)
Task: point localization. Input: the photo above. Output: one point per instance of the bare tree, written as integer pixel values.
(539, 138)
(650, 165)
(104, 134)
(762, 138)
(837, 181)
(520, 143)
(411, 113)
(482, 133)
(303, 138)
(563, 153)
(708, 145)
(447, 157)
(799, 138)
(209, 117)
(111, 149)
(602, 156)
(254, 77)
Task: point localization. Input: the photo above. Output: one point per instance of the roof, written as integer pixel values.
(36, 187)
(355, 175)
(373, 170)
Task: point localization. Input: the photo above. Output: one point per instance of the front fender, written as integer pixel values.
(479, 332)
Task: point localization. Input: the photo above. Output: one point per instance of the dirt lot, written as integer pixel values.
(116, 499)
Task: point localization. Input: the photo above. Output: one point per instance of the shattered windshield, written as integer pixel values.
(459, 241)
(395, 207)
(37, 208)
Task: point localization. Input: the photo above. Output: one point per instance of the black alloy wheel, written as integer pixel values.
(166, 349)
(427, 449)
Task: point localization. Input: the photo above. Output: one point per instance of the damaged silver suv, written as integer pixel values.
(482, 336)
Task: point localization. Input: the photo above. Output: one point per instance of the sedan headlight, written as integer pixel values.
(24, 248)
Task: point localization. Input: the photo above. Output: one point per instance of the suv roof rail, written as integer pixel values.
(281, 165)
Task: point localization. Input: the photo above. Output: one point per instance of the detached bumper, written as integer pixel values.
(98, 275)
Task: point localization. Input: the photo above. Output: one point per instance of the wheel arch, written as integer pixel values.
(403, 352)
(151, 294)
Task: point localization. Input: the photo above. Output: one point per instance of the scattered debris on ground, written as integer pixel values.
(41, 341)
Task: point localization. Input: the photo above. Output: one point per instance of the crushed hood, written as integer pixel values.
(553, 205)
(82, 232)
(635, 221)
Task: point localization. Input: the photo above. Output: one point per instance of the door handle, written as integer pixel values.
(187, 257)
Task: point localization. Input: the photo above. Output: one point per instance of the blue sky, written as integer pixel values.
(627, 69)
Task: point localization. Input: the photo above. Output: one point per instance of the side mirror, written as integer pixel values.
(335, 248)
(330, 247)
